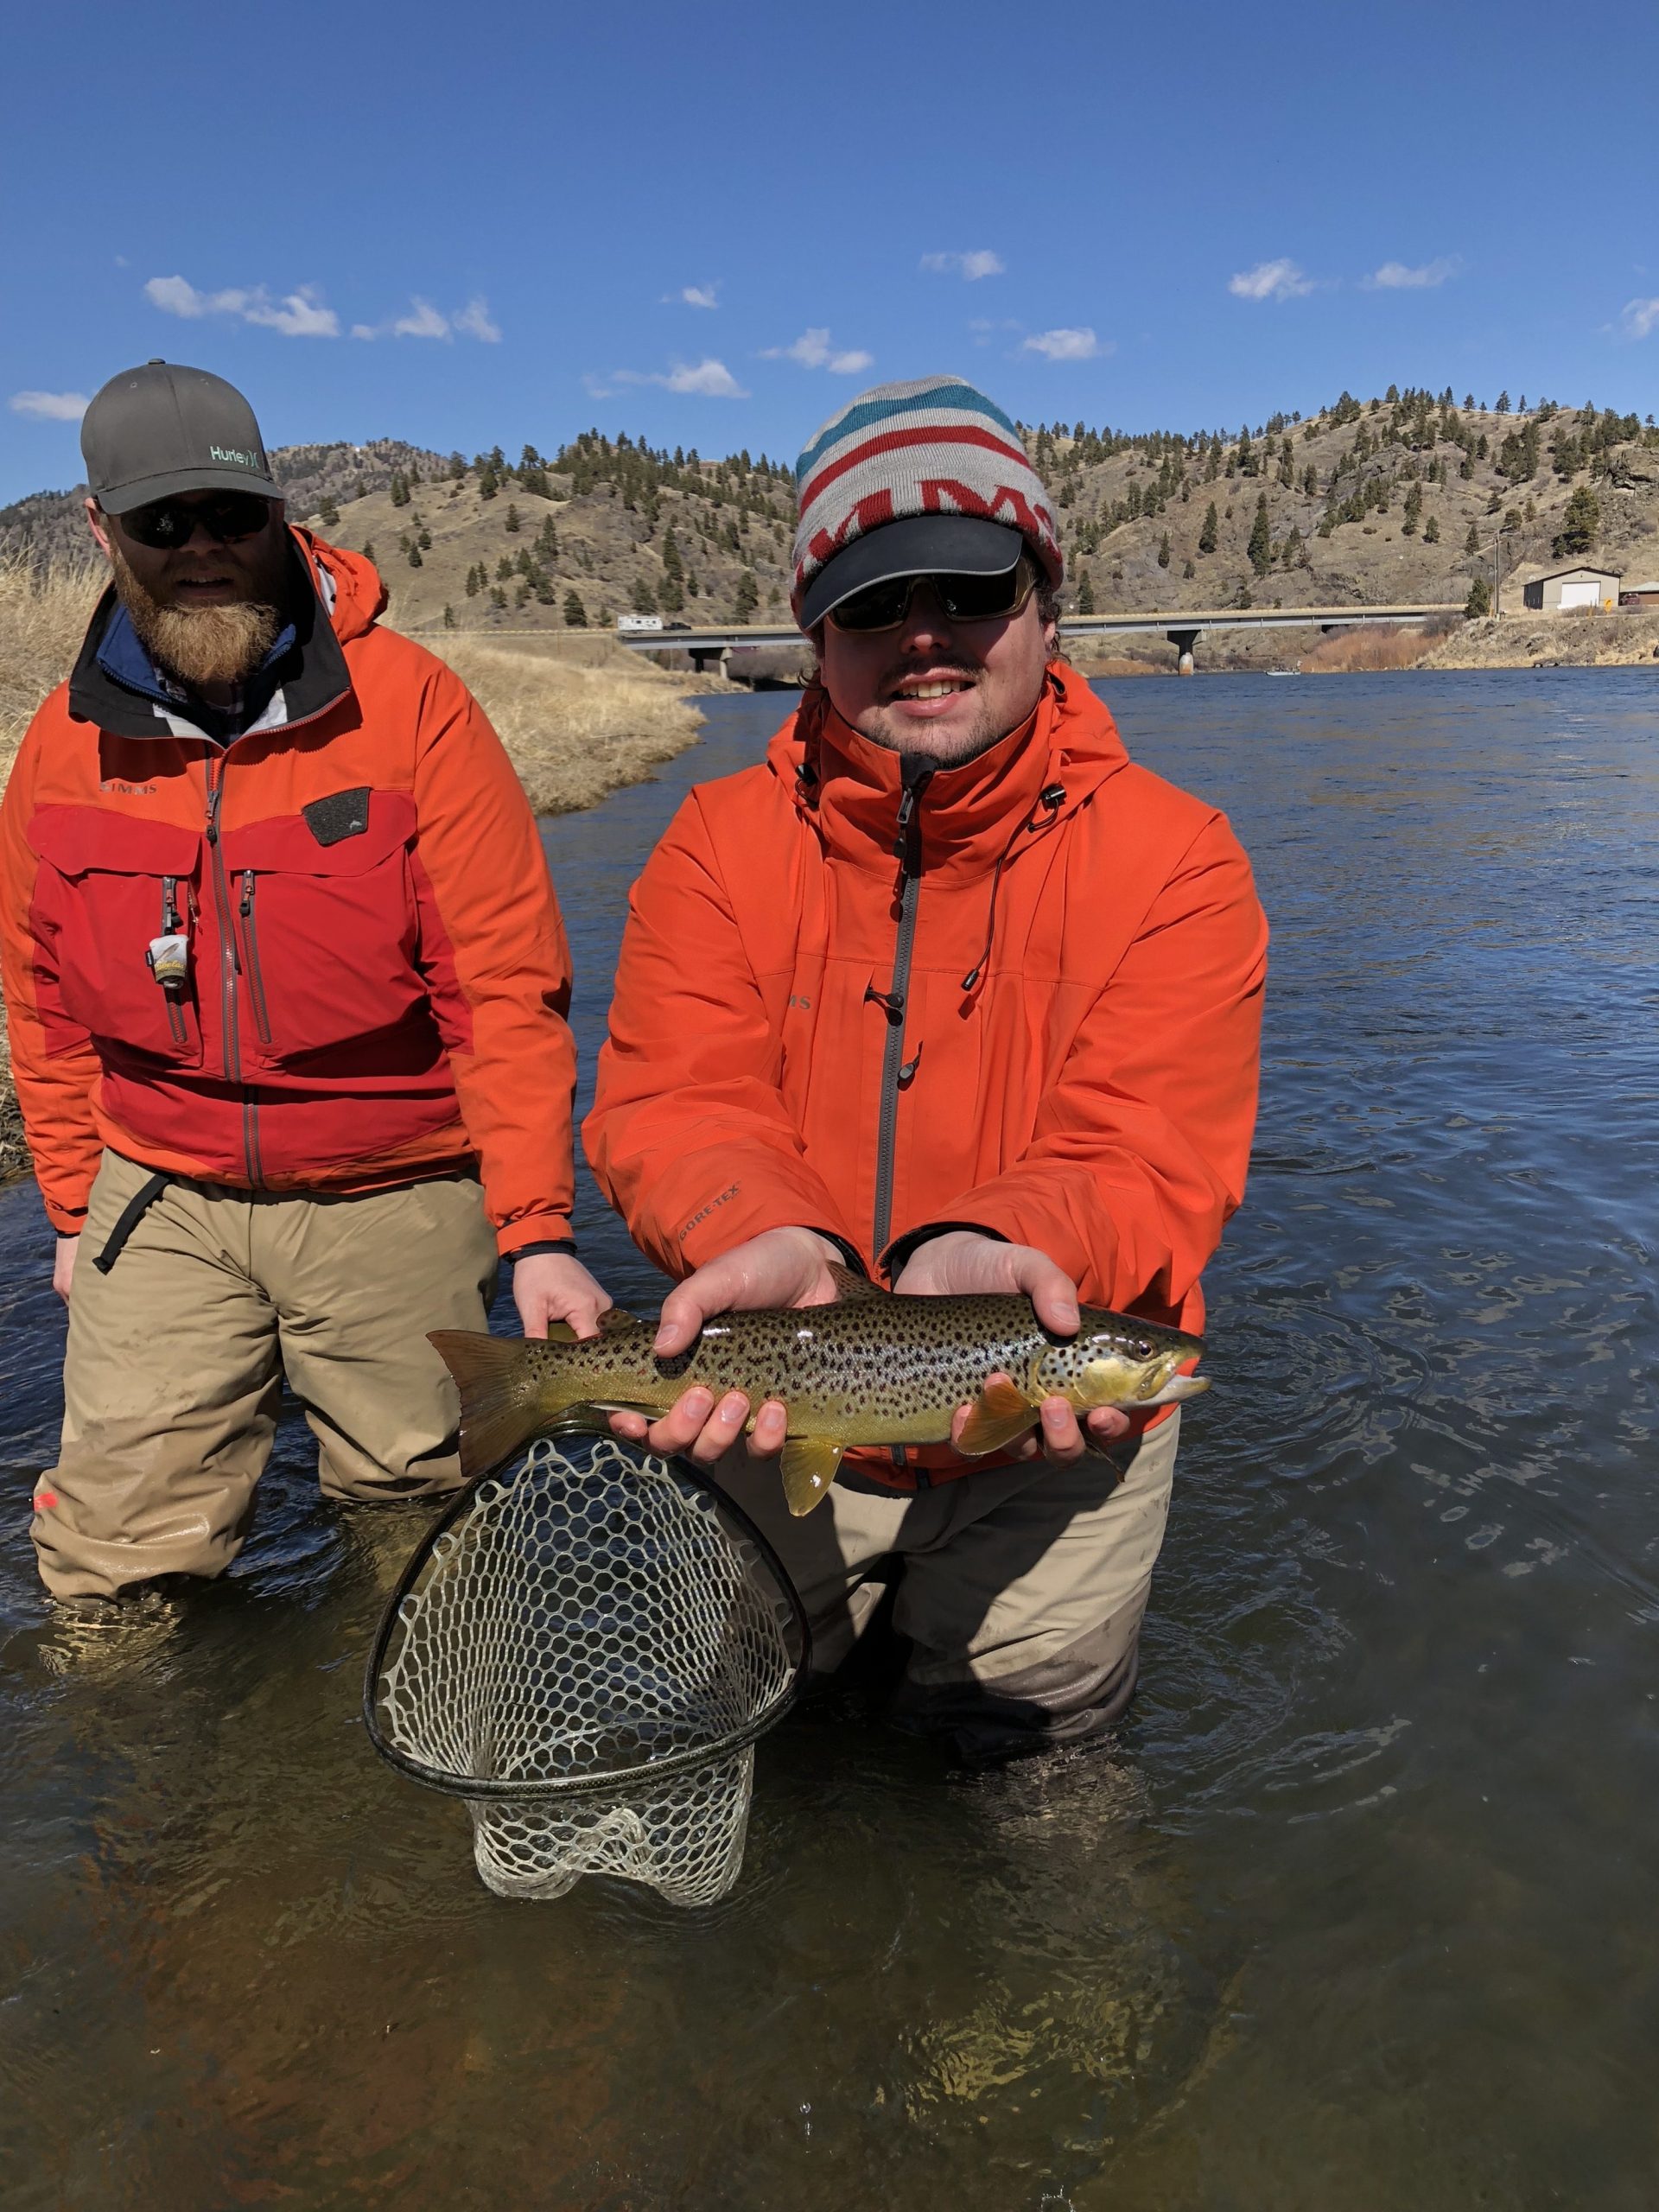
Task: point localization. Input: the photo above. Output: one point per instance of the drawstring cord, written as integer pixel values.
(1052, 797)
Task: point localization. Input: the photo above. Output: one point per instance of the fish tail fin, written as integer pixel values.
(501, 1410)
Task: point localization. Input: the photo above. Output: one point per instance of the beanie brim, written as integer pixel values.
(918, 545)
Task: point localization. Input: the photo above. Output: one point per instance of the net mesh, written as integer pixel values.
(586, 1654)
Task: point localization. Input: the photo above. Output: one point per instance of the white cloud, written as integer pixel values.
(707, 379)
(968, 266)
(692, 296)
(1065, 345)
(1396, 276)
(476, 320)
(299, 314)
(1270, 280)
(812, 349)
(422, 321)
(1639, 318)
(49, 406)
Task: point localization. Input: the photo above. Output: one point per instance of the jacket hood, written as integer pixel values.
(346, 598)
(850, 788)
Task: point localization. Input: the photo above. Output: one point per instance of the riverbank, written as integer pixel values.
(574, 731)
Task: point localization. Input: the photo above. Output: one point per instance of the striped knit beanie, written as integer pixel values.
(934, 447)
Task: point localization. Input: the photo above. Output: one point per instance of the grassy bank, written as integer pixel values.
(574, 732)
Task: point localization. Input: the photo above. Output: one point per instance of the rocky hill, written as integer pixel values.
(1366, 502)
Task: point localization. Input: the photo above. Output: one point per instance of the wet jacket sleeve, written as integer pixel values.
(54, 1075)
(1140, 1149)
(689, 1135)
(496, 965)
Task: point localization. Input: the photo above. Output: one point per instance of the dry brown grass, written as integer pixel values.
(1351, 652)
(573, 733)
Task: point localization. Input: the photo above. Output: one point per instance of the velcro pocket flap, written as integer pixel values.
(79, 839)
(286, 844)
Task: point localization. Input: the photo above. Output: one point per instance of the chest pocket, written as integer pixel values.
(109, 891)
(327, 928)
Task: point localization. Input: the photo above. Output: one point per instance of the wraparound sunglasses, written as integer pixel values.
(226, 516)
(964, 599)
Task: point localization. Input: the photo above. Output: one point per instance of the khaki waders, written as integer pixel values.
(176, 1355)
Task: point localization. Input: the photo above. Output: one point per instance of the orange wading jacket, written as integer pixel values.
(376, 975)
(1022, 996)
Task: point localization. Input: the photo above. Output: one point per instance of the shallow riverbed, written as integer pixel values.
(1359, 1914)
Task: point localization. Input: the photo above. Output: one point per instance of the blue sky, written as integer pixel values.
(466, 224)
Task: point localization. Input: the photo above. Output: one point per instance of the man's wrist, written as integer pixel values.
(564, 1244)
(903, 1249)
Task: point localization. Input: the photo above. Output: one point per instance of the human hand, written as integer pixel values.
(780, 1268)
(556, 1287)
(63, 1265)
(961, 1263)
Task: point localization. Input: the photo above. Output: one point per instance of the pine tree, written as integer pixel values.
(1163, 551)
(1413, 511)
(1580, 524)
(398, 488)
(473, 580)
(488, 482)
(513, 522)
(368, 549)
(1188, 570)
(644, 599)
(576, 614)
(1432, 530)
(1207, 535)
(1261, 545)
(448, 616)
(328, 512)
(1479, 601)
(1472, 543)
(1085, 593)
(1502, 407)
(748, 596)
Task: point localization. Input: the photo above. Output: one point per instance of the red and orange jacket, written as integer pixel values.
(376, 970)
(1024, 997)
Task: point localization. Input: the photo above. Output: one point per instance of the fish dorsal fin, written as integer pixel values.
(615, 1317)
(561, 1333)
(998, 1415)
(809, 1467)
(849, 1284)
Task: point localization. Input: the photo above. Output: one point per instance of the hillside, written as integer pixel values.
(1365, 502)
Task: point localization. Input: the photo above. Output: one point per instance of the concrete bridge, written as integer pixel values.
(712, 645)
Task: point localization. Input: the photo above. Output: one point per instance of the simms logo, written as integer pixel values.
(229, 453)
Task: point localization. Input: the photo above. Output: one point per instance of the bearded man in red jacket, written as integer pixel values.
(949, 991)
(287, 985)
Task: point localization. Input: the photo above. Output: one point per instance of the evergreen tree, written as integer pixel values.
(644, 599)
(399, 488)
(1163, 551)
(1085, 593)
(1432, 530)
(473, 583)
(1207, 535)
(1479, 601)
(748, 596)
(576, 614)
(1188, 570)
(1413, 511)
(1502, 407)
(488, 482)
(1261, 545)
(503, 570)
(1580, 525)
(368, 549)
(448, 616)
(328, 512)
(513, 522)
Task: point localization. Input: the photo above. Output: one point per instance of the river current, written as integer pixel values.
(1359, 1910)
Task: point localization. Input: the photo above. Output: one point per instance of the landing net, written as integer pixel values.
(586, 1649)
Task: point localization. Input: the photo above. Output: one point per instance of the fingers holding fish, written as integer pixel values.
(782, 1267)
(704, 1429)
(963, 1262)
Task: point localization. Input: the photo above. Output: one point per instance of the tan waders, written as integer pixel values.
(1020, 1592)
(176, 1355)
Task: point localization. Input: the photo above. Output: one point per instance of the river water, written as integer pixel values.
(1359, 1913)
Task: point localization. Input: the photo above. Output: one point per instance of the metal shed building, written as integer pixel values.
(1566, 588)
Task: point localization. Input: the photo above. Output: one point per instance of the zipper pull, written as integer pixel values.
(214, 792)
(247, 906)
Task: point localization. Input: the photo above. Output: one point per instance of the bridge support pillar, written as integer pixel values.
(1183, 641)
(704, 657)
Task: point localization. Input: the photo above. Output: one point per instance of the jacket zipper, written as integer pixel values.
(230, 967)
(250, 946)
(173, 993)
(895, 1073)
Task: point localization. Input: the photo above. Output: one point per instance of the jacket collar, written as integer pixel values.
(116, 685)
(967, 816)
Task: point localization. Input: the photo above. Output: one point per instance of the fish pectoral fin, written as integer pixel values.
(998, 1415)
(851, 1284)
(809, 1467)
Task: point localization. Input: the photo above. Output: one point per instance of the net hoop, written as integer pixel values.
(617, 1783)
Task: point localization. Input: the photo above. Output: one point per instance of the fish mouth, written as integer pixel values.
(1178, 1388)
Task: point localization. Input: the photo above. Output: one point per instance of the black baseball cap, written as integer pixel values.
(160, 429)
(919, 545)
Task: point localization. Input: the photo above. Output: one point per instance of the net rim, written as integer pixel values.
(629, 1781)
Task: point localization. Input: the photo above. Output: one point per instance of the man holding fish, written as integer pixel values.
(946, 995)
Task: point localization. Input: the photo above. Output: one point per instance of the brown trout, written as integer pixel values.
(872, 1369)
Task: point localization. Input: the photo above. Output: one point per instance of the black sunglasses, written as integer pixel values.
(227, 517)
(964, 599)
